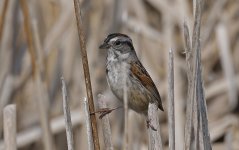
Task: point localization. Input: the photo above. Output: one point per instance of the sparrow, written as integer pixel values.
(124, 70)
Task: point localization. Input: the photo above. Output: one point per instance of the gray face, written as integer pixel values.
(122, 44)
(119, 45)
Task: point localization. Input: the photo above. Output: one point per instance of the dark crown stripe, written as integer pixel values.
(113, 35)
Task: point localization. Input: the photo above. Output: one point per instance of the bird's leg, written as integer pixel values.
(104, 111)
(148, 122)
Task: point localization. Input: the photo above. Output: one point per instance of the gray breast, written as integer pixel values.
(116, 70)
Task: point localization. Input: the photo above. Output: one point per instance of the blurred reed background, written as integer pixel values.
(33, 61)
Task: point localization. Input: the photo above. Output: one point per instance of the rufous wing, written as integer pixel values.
(138, 71)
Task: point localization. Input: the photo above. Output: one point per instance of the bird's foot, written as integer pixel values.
(104, 111)
(149, 125)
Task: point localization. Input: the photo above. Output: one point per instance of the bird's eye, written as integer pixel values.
(117, 43)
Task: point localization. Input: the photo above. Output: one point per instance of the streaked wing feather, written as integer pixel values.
(142, 75)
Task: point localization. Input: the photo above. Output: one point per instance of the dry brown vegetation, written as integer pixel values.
(39, 44)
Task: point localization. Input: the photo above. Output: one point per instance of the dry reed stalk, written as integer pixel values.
(53, 37)
(40, 70)
(171, 115)
(29, 136)
(196, 107)
(201, 132)
(37, 46)
(9, 119)
(42, 102)
(119, 8)
(5, 95)
(196, 50)
(29, 35)
(205, 138)
(213, 17)
(105, 124)
(67, 114)
(92, 45)
(3, 15)
(86, 73)
(155, 140)
(189, 108)
(42, 97)
(6, 58)
(88, 125)
(227, 64)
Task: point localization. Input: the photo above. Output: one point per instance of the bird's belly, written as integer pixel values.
(136, 94)
(115, 81)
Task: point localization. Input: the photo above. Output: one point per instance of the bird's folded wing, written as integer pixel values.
(138, 71)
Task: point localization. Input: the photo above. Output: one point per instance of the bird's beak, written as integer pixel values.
(104, 46)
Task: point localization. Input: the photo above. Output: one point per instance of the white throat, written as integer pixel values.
(114, 56)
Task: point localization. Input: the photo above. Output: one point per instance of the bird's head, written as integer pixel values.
(118, 43)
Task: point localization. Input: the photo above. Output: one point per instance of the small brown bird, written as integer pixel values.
(124, 65)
